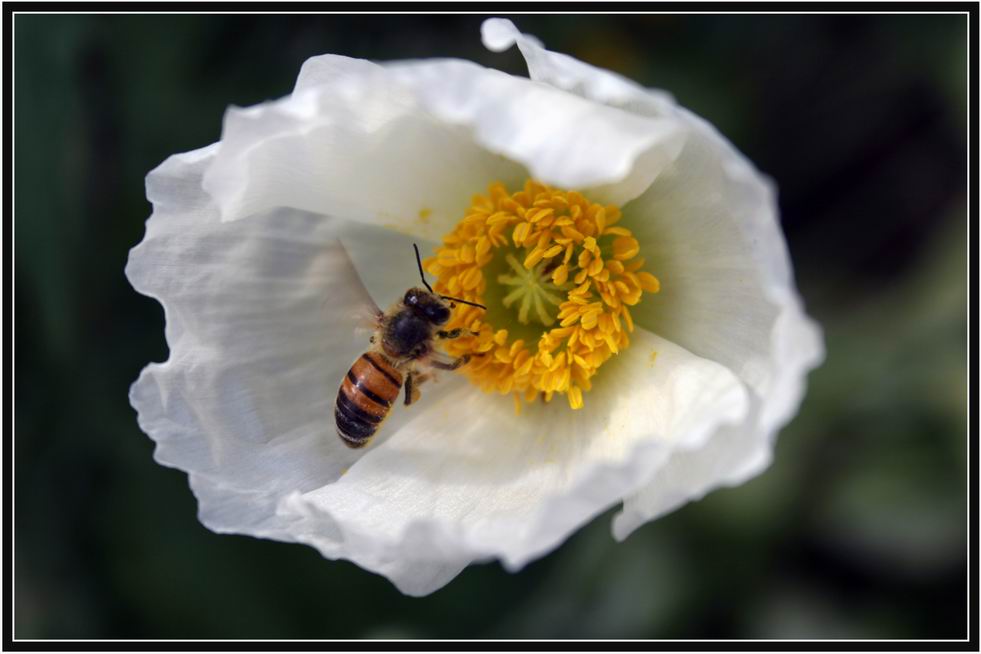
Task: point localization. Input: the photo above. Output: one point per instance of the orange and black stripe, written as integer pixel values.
(366, 396)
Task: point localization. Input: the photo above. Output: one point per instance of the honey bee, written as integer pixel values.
(402, 354)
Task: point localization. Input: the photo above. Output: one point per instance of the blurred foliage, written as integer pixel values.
(858, 528)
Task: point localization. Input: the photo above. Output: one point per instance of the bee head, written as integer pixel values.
(427, 305)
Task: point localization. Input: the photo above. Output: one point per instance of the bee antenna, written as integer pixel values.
(421, 274)
(456, 299)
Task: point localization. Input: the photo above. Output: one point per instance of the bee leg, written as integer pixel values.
(410, 389)
(435, 363)
(412, 383)
(454, 333)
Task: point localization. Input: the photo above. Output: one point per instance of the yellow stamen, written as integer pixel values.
(559, 268)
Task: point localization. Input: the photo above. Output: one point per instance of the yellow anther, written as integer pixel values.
(521, 233)
(568, 278)
(448, 258)
(472, 278)
(588, 320)
(627, 318)
(600, 219)
(541, 214)
(552, 251)
(569, 249)
(649, 282)
(533, 258)
(625, 247)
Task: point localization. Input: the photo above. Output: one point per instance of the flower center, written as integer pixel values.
(533, 288)
(557, 276)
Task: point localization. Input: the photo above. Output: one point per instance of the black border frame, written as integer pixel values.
(9, 643)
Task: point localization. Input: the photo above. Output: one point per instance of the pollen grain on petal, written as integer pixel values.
(561, 267)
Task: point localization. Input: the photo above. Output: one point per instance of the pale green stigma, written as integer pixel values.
(535, 289)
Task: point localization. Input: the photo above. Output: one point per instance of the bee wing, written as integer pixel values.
(346, 281)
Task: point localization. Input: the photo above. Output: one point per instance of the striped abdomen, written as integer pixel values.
(366, 396)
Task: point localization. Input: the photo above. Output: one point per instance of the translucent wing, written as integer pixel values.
(347, 290)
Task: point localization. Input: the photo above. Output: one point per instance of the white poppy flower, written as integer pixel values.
(649, 290)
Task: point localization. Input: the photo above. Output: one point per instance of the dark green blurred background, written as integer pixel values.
(857, 530)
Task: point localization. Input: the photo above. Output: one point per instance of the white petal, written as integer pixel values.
(462, 478)
(597, 86)
(351, 143)
(709, 229)
(570, 74)
(259, 329)
(406, 145)
(729, 456)
(561, 138)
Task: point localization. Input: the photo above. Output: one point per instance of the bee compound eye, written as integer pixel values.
(438, 314)
(411, 298)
